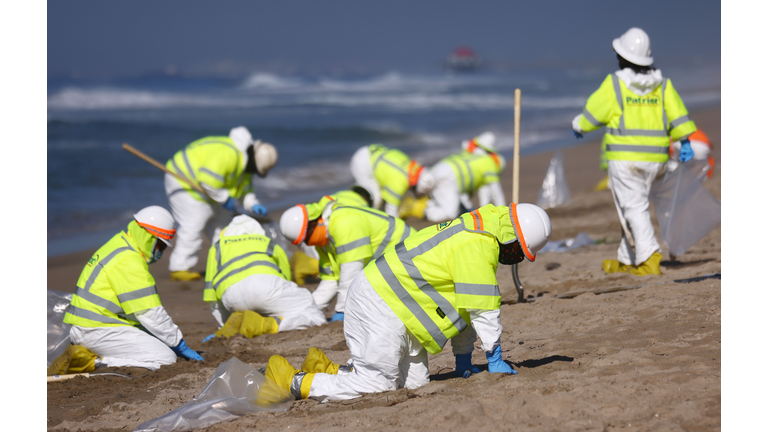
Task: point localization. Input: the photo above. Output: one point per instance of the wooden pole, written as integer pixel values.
(516, 158)
(162, 167)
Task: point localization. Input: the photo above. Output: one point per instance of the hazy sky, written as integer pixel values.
(231, 37)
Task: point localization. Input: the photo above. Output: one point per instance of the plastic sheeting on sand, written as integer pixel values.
(581, 239)
(554, 190)
(234, 390)
(685, 209)
(58, 331)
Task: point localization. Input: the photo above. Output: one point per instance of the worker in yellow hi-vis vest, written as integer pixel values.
(438, 284)
(388, 174)
(248, 271)
(346, 238)
(641, 111)
(222, 166)
(116, 312)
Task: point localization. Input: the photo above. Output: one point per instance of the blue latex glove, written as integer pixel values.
(496, 364)
(686, 152)
(182, 350)
(338, 316)
(578, 135)
(464, 366)
(259, 210)
(232, 205)
(207, 338)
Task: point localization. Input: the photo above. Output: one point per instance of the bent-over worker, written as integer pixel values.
(426, 290)
(222, 166)
(116, 311)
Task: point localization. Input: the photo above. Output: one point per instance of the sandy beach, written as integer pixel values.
(593, 351)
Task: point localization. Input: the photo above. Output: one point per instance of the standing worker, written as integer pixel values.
(222, 166)
(388, 174)
(424, 291)
(247, 271)
(459, 177)
(116, 311)
(346, 238)
(641, 111)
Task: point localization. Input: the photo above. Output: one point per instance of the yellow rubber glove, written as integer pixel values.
(303, 266)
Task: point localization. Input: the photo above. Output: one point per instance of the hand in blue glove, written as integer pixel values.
(182, 350)
(578, 135)
(207, 338)
(259, 210)
(496, 364)
(464, 366)
(338, 316)
(233, 206)
(686, 152)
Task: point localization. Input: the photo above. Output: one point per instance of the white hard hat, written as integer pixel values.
(293, 224)
(266, 158)
(634, 46)
(486, 140)
(242, 138)
(157, 221)
(532, 227)
(426, 182)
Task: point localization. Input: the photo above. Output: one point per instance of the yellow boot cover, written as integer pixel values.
(613, 266)
(255, 325)
(317, 361)
(649, 267)
(75, 359)
(304, 266)
(601, 185)
(184, 276)
(282, 373)
(232, 326)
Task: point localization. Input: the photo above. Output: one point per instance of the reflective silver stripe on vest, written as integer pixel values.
(617, 90)
(326, 270)
(189, 165)
(409, 302)
(181, 173)
(212, 174)
(93, 316)
(461, 174)
(100, 265)
(636, 148)
(99, 301)
(406, 233)
(137, 294)
(478, 289)
(678, 121)
(636, 132)
(240, 257)
(208, 285)
(400, 197)
(387, 237)
(269, 264)
(406, 257)
(353, 245)
(381, 158)
(218, 256)
(590, 118)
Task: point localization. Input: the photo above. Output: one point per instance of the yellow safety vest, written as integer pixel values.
(394, 171)
(473, 170)
(115, 282)
(358, 233)
(214, 161)
(234, 258)
(433, 277)
(344, 197)
(637, 128)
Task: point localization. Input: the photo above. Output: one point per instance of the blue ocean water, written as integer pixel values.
(316, 123)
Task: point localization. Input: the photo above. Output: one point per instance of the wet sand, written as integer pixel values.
(593, 351)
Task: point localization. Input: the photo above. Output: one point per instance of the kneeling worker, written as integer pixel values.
(247, 271)
(116, 296)
(346, 238)
(419, 294)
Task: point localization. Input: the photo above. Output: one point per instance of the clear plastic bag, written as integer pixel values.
(554, 190)
(581, 239)
(685, 209)
(235, 389)
(58, 331)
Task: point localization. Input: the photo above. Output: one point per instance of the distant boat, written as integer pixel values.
(463, 59)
